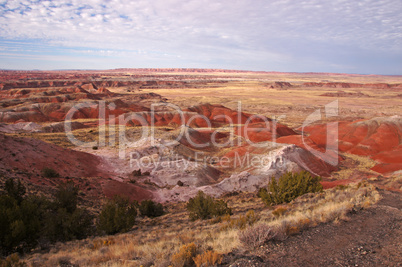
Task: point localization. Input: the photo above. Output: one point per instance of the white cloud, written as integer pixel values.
(195, 29)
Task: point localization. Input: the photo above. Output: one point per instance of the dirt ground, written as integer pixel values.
(371, 237)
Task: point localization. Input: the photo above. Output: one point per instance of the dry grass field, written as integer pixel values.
(156, 241)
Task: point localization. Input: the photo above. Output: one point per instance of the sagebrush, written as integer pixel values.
(151, 209)
(289, 187)
(117, 215)
(204, 207)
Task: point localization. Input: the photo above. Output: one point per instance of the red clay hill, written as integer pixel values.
(378, 138)
(27, 157)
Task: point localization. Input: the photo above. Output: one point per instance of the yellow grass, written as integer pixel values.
(155, 241)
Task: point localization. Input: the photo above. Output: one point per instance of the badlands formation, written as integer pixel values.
(165, 134)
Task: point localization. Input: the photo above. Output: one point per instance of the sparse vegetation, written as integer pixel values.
(204, 207)
(15, 190)
(151, 209)
(279, 211)
(67, 196)
(185, 255)
(12, 261)
(239, 223)
(256, 236)
(289, 187)
(49, 173)
(64, 220)
(20, 219)
(25, 220)
(331, 205)
(117, 215)
(208, 258)
(140, 247)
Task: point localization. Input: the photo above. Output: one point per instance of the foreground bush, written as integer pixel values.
(185, 256)
(49, 173)
(15, 189)
(20, 223)
(117, 215)
(208, 258)
(62, 225)
(206, 207)
(239, 223)
(64, 220)
(289, 187)
(150, 208)
(67, 196)
(256, 236)
(12, 261)
(24, 220)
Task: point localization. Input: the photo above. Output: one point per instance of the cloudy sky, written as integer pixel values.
(271, 35)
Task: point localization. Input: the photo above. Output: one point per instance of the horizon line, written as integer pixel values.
(199, 70)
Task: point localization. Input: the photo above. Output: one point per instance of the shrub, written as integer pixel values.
(99, 243)
(117, 215)
(15, 190)
(208, 258)
(240, 223)
(26, 220)
(279, 211)
(49, 173)
(12, 261)
(62, 225)
(206, 207)
(185, 255)
(20, 218)
(151, 209)
(289, 187)
(65, 221)
(67, 196)
(256, 236)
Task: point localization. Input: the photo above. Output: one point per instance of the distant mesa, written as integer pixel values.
(279, 85)
(351, 85)
(345, 94)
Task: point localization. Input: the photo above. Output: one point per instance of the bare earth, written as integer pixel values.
(372, 237)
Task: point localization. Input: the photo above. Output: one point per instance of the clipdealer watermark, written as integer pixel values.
(237, 161)
(237, 131)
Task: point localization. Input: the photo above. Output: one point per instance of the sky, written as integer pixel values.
(363, 37)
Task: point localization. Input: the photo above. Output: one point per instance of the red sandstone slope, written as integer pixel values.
(255, 128)
(264, 131)
(33, 155)
(378, 138)
(45, 111)
(29, 156)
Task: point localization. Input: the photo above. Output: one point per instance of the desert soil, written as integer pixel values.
(371, 237)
